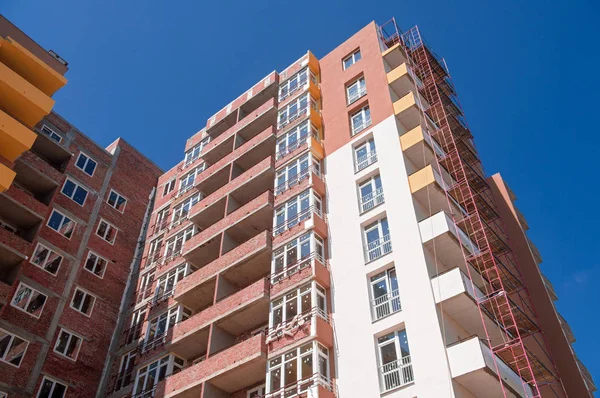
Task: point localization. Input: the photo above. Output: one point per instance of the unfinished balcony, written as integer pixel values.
(14, 249)
(403, 80)
(429, 190)
(254, 123)
(473, 365)
(230, 232)
(549, 287)
(420, 148)
(566, 328)
(395, 56)
(37, 176)
(409, 110)
(310, 325)
(52, 151)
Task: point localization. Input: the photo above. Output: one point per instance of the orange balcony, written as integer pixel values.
(420, 148)
(15, 138)
(395, 56)
(231, 231)
(429, 189)
(409, 110)
(7, 175)
(403, 80)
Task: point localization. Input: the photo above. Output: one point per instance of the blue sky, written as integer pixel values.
(526, 72)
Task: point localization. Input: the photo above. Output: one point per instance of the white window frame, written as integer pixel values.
(87, 161)
(363, 161)
(356, 90)
(174, 246)
(364, 114)
(388, 303)
(61, 224)
(380, 246)
(145, 289)
(257, 392)
(54, 383)
(165, 285)
(51, 133)
(291, 258)
(126, 367)
(373, 199)
(302, 166)
(306, 203)
(85, 295)
(294, 299)
(180, 212)
(354, 58)
(11, 342)
(193, 154)
(188, 181)
(138, 318)
(162, 220)
(71, 336)
(77, 186)
(397, 373)
(119, 196)
(106, 231)
(25, 286)
(44, 262)
(171, 363)
(295, 138)
(98, 259)
(295, 109)
(296, 82)
(169, 186)
(168, 319)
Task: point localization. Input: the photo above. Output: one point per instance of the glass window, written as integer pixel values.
(12, 348)
(370, 193)
(116, 200)
(83, 301)
(175, 244)
(384, 291)
(74, 191)
(360, 120)
(297, 81)
(166, 283)
(356, 90)
(293, 373)
(168, 187)
(290, 175)
(95, 264)
(150, 375)
(125, 373)
(296, 210)
(257, 392)
(293, 256)
(187, 182)
(46, 259)
(85, 163)
(295, 138)
(294, 109)
(377, 238)
(51, 389)
(193, 154)
(51, 133)
(180, 212)
(61, 224)
(365, 154)
(29, 300)
(68, 344)
(287, 311)
(158, 327)
(394, 360)
(351, 59)
(106, 231)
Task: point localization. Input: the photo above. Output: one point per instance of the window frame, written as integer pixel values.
(366, 121)
(88, 160)
(302, 104)
(361, 90)
(28, 300)
(98, 258)
(44, 262)
(171, 245)
(379, 226)
(9, 345)
(376, 195)
(284, 146)
(307, 160)
(75, 188)
(316, 247)
(352, 56)
(382, 308)
(126, 367)
(71, 336)
(370, 155)
(260, 390)
(169, 363)
(314, 205)
(170, 280)
(159, 325)
(193, 154)
(188, 180)
(108, 226)
(295, 298)
(61, 224)
(122, 211)
(169, 186)
(50, 133)
(54, 383)
(300, 78)
(178, 215)
(85, 295)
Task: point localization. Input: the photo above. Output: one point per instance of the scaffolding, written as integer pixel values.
(505, 298)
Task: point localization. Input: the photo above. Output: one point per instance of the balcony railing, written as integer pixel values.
(297, 219)
(120, 381)
(293, 268)
(286, 327)
(300, 387)
(396, 374)
(292, 182)
(386, 305)
(148, 393)
(159, 298)
(361, 125)
(291, 117)
(356, 95)
(378, 248)
(365, 161)
(160, 226)
(371, 200)
(132, 334)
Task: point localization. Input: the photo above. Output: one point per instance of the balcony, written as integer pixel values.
(308, 178)
(56, 153)
(311, 86)
(13, 250)
(472, 365)
(403, 80)
(587, 376)
(310, 143)
(315, 386)
(429, 189)
(23, 205)
(378, 248)
(238, 227)
(248, 262)
(534, 251)
(371, 200)
(36, 174)
(15, 138)
(5, 291)
(396, 374)
(365, 161)
(566, 328)
(230, 370)
(311, 218)
(549, 288)
(293, 120)
(420, 148)
(409, 110)
(311, 267)
(395, 56)
(312, 323)
(246, 129)
(7, 175)
(448, 239)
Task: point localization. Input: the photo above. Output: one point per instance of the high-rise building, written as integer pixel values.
(331, 232)
(71, 216)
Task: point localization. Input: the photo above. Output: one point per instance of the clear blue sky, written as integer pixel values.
(154, 71)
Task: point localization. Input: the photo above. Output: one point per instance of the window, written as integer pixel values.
(106, 231)
(395, 367)
(95, 264)
(51, 389)
(158, 327)
(29, 300)
(135, 329)
(74, 191)
(296, 171)
(356, 90)
(125, 374)
(360, 120)
(295, 371)
(193, 154)
(371, 193)
(256, 392)
(145, 290)
(384, 290)
(3, 394)
(51, 133)
(12, 348)
(169, 186)
(85, 163)
(180, 212)
(46, 259)
(351, 59)
(166, 283)
(162, 221)
(175, 243)
(83, 301)
(61, 224)
(187, 182)
(297, 81)
(68, 344)
(294, 138)
(116, 200)
(293, 256)
(154, 252)
(296, 210)
(295, 109)
(377, 237)
(149, 376)
(365, 155)
(298, 304)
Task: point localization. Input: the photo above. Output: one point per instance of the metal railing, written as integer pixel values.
(386, 305)
(297, 321)
(371, 200)
(160, 226)
(378, 248)
(132, 334)
(291, 117)
(301, 82)
(300, 387)
(159, 298)
(356, 95)
(295, 145)
(365, 160)
(149, 345)
(295, 267)
(296, 179)
(364, 123)
(147, 393)
(396, 374)
(121, 380)
(297, 219)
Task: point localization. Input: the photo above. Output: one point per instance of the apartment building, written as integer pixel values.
(331, 233)
(70, 223)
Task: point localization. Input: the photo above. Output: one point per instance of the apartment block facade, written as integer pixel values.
(71, 214)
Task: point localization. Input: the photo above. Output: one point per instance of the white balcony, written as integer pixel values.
(378, 248)
(371, 200)
(386, 305)
(396, 374)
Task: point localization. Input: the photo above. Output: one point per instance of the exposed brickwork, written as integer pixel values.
(43, 167)
(26, 200)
